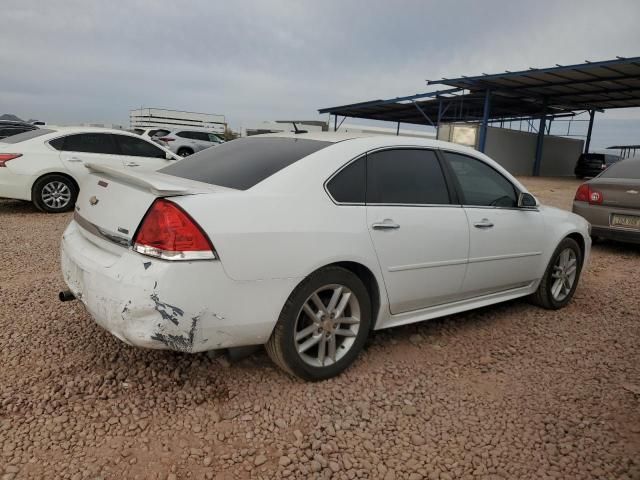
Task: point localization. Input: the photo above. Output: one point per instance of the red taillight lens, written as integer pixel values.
(5, 157)
(168, 232)
(166, 139)
(586, 194)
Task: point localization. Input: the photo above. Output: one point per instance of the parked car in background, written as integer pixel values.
(47, 165)
(9, 128)
(611, 202)
(187, 141)
(592, 164)
(308, 242)
(152, 133)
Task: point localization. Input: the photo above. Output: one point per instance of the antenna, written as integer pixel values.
(297, 130)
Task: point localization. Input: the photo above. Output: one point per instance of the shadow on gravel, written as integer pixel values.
(17, 207)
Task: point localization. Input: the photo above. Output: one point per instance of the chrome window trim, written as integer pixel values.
(381, 149)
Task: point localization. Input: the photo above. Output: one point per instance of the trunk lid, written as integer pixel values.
(112, 201)
(618, 192)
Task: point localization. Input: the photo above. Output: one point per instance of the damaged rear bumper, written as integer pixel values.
(182, 306)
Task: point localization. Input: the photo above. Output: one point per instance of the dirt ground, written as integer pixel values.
(507, 392)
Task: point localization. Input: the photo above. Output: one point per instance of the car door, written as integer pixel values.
(506, 242)
(141, 154)
(78, 149)
(420, 234)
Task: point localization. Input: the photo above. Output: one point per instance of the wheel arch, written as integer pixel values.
(580, 240)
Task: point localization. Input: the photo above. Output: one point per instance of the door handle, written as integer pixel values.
(75, 159)
(386, 224)
(484, 223)
(132, 164)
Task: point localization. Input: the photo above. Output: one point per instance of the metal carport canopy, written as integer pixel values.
(535, 93)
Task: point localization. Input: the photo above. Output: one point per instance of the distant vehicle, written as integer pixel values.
(308, 242)
(47, 165)
(10, 127)
(592, 164)
(611, 202)
(153, 133)
(189, 140)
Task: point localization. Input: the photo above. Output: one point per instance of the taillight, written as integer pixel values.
(168, 232)
(586, 194)
(5, 157)
(166, 139)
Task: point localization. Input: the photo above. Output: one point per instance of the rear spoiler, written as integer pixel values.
(157, 183)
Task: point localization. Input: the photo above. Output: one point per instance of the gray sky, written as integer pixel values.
(81, 61)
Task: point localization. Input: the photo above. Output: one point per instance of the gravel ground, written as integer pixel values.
(510, 391)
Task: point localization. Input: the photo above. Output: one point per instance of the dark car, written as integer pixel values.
(611, 202)
(592, 164)
(11, 127)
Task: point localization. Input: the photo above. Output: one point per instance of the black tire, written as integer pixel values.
(281, 346)
(185, 152)
(41, 193)
(543, 297)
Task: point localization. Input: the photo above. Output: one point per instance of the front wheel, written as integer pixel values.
(323, 325)
(561, 276)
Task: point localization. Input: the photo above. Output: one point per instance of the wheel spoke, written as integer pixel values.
(305, 332)
(322, 349)
(309, 343)
(309, 311)
(332, 347)
(567, 285)
(342, 305)
(334, 299)
(571, 269)
(349, 321)
(557, 286)
(345, 332)
(318, 303)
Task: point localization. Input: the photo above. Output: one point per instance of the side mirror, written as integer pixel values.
(526, 200)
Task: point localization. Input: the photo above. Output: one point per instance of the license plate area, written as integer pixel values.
(631, 222)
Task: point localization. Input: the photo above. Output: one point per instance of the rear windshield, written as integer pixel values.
(623, 169)
(21, 137)
(243, 163)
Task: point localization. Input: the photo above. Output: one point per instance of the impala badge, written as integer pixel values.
(632, 192)
(94, 200)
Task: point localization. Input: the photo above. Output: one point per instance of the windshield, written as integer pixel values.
(243, 163)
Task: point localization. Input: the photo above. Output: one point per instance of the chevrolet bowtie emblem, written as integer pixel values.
(94, 200)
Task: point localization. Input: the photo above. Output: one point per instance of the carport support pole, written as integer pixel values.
(587, 143)
(398, 129)
(485, 120)
(540, 141)
(335, 122)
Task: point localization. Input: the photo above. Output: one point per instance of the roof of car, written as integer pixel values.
(68, 130)
(381, 140)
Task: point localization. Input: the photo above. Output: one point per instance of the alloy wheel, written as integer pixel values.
(327, 325)
(56, 194)
(564, 274)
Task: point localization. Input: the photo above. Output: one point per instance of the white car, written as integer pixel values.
(308, 242)
(186, 141)
(47, 165)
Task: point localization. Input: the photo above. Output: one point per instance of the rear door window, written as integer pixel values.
(481, 185)
(406, 177)
(137, 147)
(243, 163)
(102, 143)
(623, 169)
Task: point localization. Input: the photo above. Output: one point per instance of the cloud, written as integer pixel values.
(89, 60)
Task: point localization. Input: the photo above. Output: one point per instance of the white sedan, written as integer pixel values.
(306, 243)
(46, 165)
